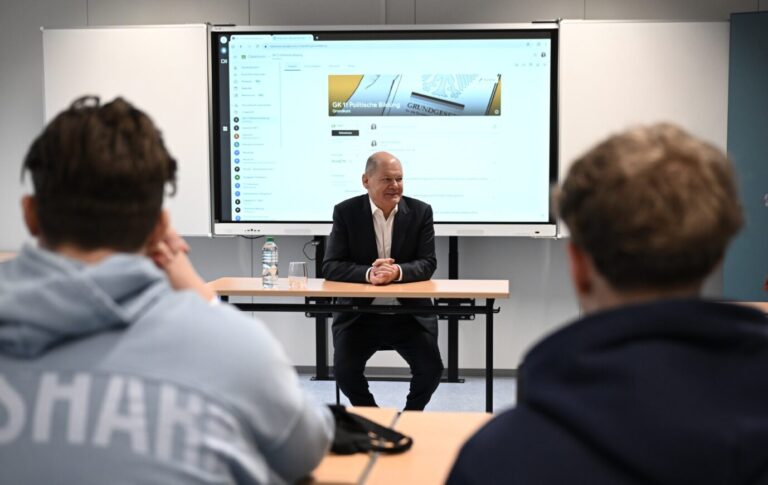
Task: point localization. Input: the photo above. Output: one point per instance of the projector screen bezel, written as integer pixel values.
(312, 228)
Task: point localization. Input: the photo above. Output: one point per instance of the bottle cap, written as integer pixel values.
(270, 238)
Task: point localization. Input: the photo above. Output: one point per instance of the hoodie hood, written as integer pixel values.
(46, 299)
(670, 392)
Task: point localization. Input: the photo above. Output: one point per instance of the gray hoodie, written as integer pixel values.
(107, 375)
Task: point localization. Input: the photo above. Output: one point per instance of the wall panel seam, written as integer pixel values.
(383, 12)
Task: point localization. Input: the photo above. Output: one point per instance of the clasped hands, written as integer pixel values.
(384, 271)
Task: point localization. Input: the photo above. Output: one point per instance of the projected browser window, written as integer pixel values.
(469, 118)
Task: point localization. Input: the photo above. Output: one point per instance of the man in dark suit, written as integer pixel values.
(381, 238)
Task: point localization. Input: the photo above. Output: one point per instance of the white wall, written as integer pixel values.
(541, 297)
(21, 94)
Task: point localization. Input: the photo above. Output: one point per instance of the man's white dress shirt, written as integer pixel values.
(383, 229)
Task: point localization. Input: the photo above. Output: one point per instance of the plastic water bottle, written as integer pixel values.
(269, 264)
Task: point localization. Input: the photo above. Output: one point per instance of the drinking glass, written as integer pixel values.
(297, 275)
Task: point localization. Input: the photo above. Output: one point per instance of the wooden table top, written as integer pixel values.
(437, 440)
(231, 286)
(349, 469)
(760, 305)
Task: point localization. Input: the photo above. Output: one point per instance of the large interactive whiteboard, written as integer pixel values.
(471, 112)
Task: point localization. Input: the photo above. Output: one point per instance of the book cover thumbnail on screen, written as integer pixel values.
(414, 95)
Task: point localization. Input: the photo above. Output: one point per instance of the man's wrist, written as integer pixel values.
(400, 273)
(368, 275)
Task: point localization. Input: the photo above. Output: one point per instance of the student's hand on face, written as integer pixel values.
(170, 255)
(168, 248)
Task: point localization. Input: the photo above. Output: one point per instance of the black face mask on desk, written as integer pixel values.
(356, 434)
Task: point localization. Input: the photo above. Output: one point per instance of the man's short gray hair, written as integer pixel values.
(371, 164)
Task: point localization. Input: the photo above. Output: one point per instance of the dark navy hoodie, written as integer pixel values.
(670, 392)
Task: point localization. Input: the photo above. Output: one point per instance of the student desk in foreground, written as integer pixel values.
(437, 440)
(319, 298)
(759, 305)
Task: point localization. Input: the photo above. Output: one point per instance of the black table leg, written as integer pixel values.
(321, 322)
(321, 349)
(453, 350)
(453, 320)
(489, 355)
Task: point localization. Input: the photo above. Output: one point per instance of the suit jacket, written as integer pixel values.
(352, 248)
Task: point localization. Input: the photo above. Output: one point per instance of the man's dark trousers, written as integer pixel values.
(356, 344)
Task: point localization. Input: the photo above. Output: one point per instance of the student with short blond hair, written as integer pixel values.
(654, 384)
